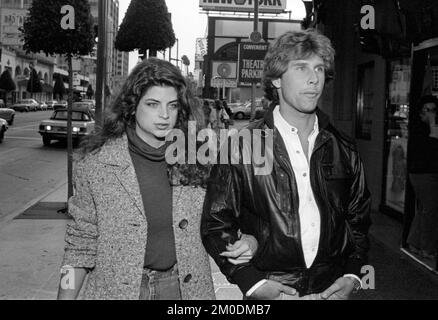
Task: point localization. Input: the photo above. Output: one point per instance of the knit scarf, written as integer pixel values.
(138, 146)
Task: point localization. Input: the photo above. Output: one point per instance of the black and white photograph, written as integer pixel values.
(232, 152)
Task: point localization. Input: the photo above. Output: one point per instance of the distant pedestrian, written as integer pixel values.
(423, 174)
(207, 113)
(229, 112)
(136, 219)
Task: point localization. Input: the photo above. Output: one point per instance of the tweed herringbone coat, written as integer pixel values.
(108, 232)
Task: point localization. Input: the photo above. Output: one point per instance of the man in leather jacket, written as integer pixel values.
(310, 213)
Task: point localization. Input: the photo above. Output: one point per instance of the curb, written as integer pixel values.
(9, 217)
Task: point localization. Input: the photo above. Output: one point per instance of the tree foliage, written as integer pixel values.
(42, 31)
(185, 60)
(146, 26)
(59, 87)
(6, 82)
(34, 83)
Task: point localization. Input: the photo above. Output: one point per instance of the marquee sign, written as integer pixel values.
(265, 6)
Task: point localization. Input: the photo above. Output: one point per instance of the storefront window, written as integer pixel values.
(396, 142)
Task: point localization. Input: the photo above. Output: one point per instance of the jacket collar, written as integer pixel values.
(323, 119)
(115, 153)
(325, 128)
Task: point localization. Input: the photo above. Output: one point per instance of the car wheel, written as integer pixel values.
(239, 115)
(46, 141)
(2, 134)
(11, 122)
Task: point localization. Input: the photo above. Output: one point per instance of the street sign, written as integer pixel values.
(224, 69)
(268, 6)
(223, 83)
(255, 36)
(251, 61)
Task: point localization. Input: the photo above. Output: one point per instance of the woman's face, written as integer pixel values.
(156, 114)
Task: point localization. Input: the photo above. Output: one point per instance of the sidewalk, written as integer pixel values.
(31, 251)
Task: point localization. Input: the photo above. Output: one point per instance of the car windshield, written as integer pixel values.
(75, 116)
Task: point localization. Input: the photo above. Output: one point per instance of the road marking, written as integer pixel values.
(8, 150)
(23, 138)
(17, 128)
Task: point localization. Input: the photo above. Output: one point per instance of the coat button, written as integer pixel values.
(183, 223)
(187, 278)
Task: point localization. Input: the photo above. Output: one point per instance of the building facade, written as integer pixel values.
(225, 34)
(380, 73)
(13, 57)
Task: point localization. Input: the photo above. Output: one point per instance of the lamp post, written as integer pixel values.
(253, 88)
(177, 54)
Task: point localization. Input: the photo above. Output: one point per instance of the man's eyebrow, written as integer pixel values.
(305, 63)
(299, 63)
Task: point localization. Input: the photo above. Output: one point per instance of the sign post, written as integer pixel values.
(255, 37)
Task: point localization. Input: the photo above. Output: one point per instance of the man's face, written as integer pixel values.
(428, 112)
(301, 85)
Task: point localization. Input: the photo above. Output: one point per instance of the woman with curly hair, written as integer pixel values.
(136, 218)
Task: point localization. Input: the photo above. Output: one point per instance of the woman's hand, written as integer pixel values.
(241, 251)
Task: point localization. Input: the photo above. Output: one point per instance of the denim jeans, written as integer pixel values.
(160, 285)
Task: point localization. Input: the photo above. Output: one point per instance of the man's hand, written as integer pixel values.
(242, 250)
(272, 290)
(340, 290)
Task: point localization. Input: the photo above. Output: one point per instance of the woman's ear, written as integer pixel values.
(276, 83)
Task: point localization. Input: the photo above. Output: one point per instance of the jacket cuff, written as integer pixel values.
(246, 277)
(354, 266)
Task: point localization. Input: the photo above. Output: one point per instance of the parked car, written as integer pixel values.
(42, 106)
(84, 104)
(50, 104)
(55, 128)
(26, 105)
(7, 113)
(3, 128)
(243, 110)
(60, 105)
(89, 101)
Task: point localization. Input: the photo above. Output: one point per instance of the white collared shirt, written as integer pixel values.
(310, 220)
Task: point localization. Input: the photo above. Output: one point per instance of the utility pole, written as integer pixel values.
(101, 61)
(253, 89)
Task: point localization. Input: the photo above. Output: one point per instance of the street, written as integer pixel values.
(28, 170)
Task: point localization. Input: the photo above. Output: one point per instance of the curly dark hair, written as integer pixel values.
(121, 112)
(294, 45)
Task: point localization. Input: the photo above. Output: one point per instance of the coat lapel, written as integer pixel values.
(116, 155)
